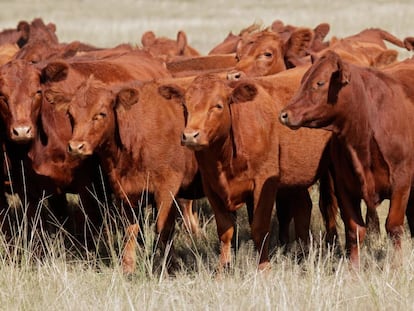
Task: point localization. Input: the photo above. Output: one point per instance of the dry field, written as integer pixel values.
(320, 280)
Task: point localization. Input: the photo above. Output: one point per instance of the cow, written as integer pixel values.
(168, 49)
(201, 64)
(370, 113)
(263, 53)
(317, 42)
(38, 133)
(266, 52)
(243, 153)
(229, 44)
(137, 137)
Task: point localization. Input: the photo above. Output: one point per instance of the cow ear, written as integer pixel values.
(243, 92)
(385, 58)
(321, 31)
(171, 91)
(409, 43)
(54, 72)
(126, 98)
(71, 49)
(313, 58)
(299, 42)
(24, 29)
(344, 71)
(181, 41)
(148, 39)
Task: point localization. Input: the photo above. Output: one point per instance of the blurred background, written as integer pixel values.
(107, 23)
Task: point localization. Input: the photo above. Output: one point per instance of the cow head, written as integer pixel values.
(207, 103)
(20, 100)
(266, 52)
(314, 105)
(167, 49)
(93, 112)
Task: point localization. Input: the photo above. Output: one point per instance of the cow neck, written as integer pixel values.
(355, 131)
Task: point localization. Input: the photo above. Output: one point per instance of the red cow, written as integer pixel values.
(168, 49)
(266, 52)
(27, 93)
(229, 44)
(370, 114)
(202, 64)
(137, 137)
(243, 153)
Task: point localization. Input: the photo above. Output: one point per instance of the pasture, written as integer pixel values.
(319, 280)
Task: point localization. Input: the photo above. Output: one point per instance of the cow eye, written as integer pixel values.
(320, 83)
(268, 54)
(219, 106)
(99, 116)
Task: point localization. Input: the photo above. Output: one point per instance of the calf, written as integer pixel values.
(244, 155)
(136, 136)
(168, 49)
(29, 95)
(370, 114)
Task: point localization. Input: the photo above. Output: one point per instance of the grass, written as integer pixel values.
(68, 278)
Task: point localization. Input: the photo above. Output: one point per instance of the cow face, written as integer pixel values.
(266, 52)
(93, 114)
(207, 107)
(20, 100)
(92, 117)
(315, 103)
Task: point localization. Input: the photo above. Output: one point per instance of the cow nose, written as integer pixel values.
(76, 147)
(189, 137)
(234, 75)
(22, 133)
(284, 117)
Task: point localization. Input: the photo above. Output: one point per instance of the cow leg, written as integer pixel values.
(355, 230)
(395, 219)
(129, 253)
(225, 222)
(302, 210)
(372, 221)
(190, 219)
(328, 207)
(284, 211)
(265, 197)
(410, 213)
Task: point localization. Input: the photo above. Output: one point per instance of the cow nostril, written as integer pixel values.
(183, 137)
(80, 147)
(196, 134)
(29, 130)
(284, 116)
(15, 132)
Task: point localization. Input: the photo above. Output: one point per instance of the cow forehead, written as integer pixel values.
(206, 91)
(18, 77)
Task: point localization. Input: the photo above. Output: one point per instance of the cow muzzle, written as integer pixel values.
(22, 133)
(286, 119)
(235, 75)
(190, 138)
(79, 148)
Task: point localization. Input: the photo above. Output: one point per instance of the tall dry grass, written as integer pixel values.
(66, 277)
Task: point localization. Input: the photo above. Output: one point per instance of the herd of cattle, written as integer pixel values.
(162, 119)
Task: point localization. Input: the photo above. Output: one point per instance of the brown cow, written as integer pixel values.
(370, 114)
(137, 138)
(243, 153)
(266, 52)
(27, 93)
(168, 49)
(229, 44)
(263, 54)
